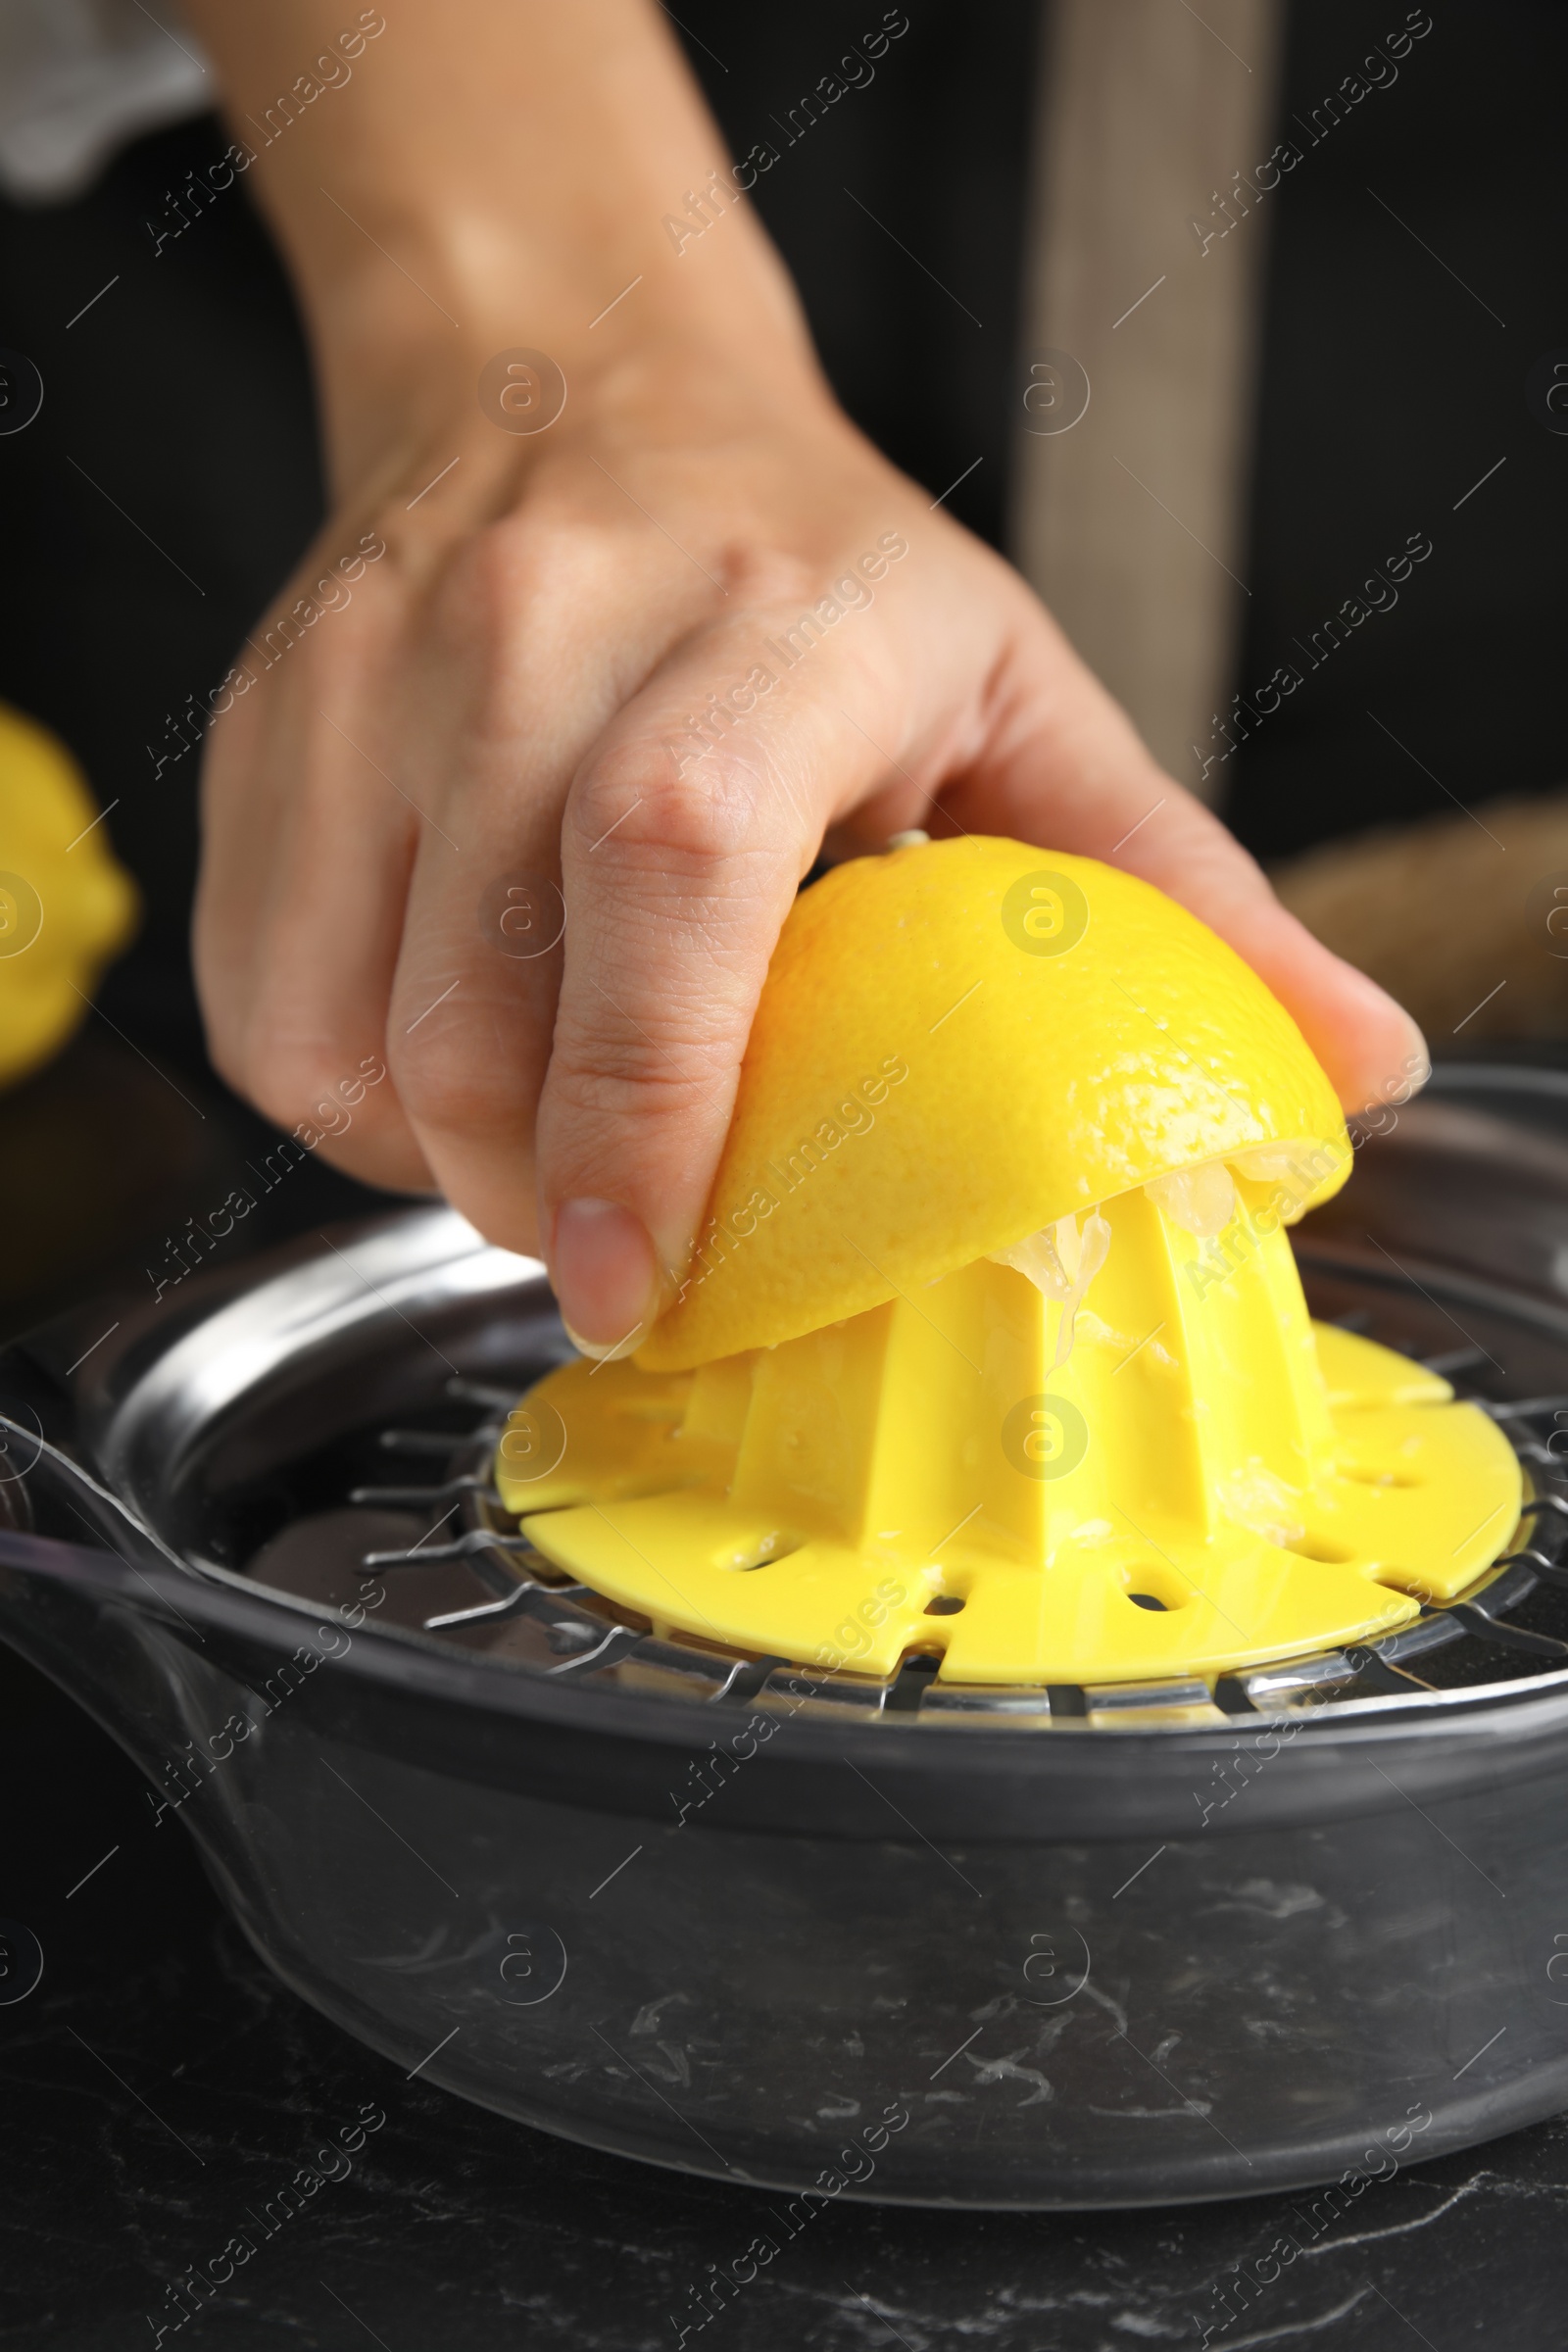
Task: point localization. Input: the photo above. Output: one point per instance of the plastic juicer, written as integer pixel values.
(1107, 1445)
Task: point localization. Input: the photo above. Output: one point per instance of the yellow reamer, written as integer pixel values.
(994, 1345)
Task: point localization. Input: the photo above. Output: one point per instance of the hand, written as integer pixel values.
(654, 654)
(512, 693)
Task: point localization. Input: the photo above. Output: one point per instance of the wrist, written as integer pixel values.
(637, 333)
(504, 177)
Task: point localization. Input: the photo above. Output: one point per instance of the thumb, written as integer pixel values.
(679, 865)
(1063, 765)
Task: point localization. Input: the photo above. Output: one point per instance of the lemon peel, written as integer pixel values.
(960, 1044)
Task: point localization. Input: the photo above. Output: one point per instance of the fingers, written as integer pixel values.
(473, 1000)
(1063, 765)
(539, 637)
(307, 851)
(681, 857)
(1366, 1042)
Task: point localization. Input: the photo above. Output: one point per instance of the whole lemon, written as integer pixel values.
(66, 906)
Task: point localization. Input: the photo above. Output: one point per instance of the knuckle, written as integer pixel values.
(524, 580)
(297, 1063)
(508, 624)
(646, 809)
(455, 1086)
(675, 1057)
(621, 1085)
(288, 1083)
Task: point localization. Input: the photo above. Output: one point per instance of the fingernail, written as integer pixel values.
(1418, 1055)
(1391, 1076)
(605, 1276)
(1414, 1062)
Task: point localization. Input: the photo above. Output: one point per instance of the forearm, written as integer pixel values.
(517, 159)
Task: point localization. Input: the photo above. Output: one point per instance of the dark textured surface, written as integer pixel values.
(457, 2229)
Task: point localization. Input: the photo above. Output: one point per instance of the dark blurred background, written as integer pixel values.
(172, 477)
